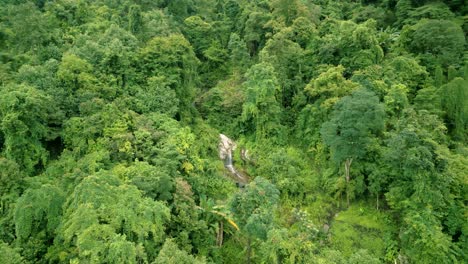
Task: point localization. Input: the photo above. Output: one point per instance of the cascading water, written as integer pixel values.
(226, 146)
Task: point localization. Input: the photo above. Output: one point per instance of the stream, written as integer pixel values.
(226, 148)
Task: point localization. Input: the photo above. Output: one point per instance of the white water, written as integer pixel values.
(226, 146)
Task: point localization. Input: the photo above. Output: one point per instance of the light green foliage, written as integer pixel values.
(261, 110)
(171, 254)
(362, 256)
(406, 71)
(73, 71)
(24, 113)
(158, 96)
(360, 227)
(287, 247)
(286, 169)
(76, 81)
(154, 181)
(322, 92)
(329, 87)
(8, 255)
(424, 234)
(396, 100)
(119, 223)
(172, 57)
(252, 207)
(355, 44)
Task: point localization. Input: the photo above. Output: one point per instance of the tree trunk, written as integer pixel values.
(348, 163)
(377, 201)
(249, 250)
(219, 237)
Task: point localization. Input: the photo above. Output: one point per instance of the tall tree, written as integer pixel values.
(253, 210)
(24, 115)
(173, 58)
(261, 108)
(352, 129)
(455, 104)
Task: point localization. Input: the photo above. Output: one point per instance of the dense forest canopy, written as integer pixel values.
(346, 125)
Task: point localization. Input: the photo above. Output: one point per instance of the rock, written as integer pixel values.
(325, 228)
(226, 146)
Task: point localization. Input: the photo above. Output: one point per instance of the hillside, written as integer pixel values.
(233, 131)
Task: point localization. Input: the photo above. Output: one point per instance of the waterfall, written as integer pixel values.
(226, 147)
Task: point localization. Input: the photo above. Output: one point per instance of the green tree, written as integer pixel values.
(444, 49)
(423, 238)
(9, 255)
(322, 94)
(396, 99)
(419, 186)
(135, 19)
(12, 184)
(238, 49)
(158, 96)
(199, 33)
(288, 60)
(253, 210)
(186, 227)
(407, 71)
(261, 109)
(173, 57)
(171, 254)
(254, 31)
(287, 11)
(38, 213)
(455, 104)
(352, 129)
(154, 182)
(24, 116)
(106, 220)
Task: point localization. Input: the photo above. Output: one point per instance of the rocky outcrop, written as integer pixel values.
(226, 147)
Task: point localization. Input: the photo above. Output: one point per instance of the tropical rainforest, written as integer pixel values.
(346, 121)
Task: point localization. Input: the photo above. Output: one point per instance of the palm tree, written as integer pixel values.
(216, 216)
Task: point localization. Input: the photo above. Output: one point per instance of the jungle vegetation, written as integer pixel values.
(354, 115)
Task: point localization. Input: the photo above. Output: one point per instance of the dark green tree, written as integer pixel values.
(352, 130)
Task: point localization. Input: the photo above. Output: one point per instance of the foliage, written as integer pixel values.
(173, 255)
(8, 255)
(111, 114)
